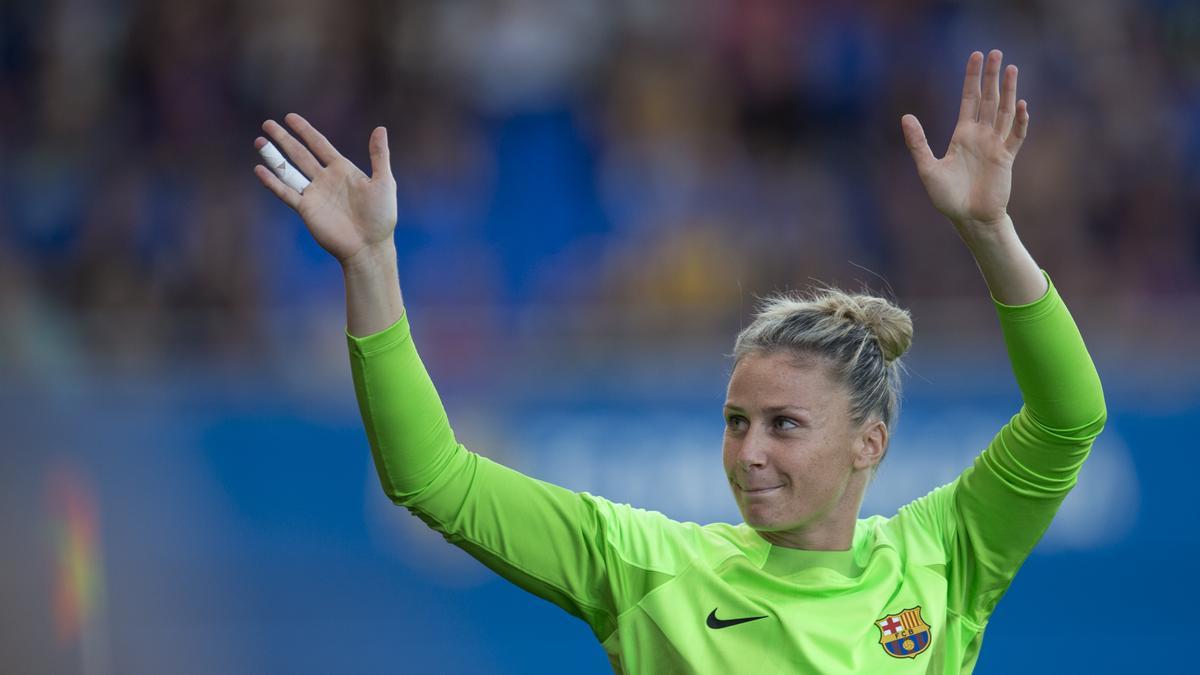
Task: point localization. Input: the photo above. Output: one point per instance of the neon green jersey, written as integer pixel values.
(912, 595)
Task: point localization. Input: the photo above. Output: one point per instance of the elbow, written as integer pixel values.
(1080, 428)
(393, 492)
(1097, 425)
(1100, 414)
(403, 494)
(1090, 418)
(407, 483)
(1089, 430)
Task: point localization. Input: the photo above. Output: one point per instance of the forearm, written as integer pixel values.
(1011, 274)
(1058, 381)
(373, 300)
(410, 435)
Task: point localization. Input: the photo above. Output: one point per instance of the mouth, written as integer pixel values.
(761, 491)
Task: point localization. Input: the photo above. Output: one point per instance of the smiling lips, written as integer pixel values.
(760, 490)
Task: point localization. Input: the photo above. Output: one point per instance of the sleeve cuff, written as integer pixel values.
(1031, 310)
(394, 334)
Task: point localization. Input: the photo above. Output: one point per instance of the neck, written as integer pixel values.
(817, 537)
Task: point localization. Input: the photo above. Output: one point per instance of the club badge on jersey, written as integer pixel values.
(904, 635)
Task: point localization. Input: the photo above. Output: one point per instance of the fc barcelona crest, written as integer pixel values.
(905, 634)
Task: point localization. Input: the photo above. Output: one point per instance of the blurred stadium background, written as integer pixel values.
(592, 194)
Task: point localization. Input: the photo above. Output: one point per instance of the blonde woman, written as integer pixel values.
(803, 585)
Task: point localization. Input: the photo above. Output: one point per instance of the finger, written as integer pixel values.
(1020, 128)
(381, 158)
(320, 145)
(1008, 101)
(969, 109)
(294, 149)
(918, 145)
(282, 168)
(286, 194)
(991, 88)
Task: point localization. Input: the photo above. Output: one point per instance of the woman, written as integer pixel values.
(803, 585)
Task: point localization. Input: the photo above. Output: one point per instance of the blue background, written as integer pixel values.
(243, 529)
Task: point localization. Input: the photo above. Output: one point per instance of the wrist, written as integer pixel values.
(1012, 275)
(982, 234)
(371, 259)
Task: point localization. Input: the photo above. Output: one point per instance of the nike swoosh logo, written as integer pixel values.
(714, 622)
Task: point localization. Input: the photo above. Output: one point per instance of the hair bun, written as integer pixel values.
(891, 325)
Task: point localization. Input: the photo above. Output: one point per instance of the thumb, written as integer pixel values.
(914, 138)
(381, 158)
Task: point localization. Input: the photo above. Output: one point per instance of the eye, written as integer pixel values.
(735, 422)
(786, 423)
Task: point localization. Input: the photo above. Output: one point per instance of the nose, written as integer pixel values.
(752, 454)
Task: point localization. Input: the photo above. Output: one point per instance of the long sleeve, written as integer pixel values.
(1001, 506)
(574, 549)
(411, 439)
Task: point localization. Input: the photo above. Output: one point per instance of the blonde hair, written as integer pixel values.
(862, 336)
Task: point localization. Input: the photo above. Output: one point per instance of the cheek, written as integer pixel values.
(829, 469)
(817, 465)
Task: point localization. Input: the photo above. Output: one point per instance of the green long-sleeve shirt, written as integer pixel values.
(912, 595)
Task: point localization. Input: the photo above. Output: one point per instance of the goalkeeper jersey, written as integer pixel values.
(912, 595)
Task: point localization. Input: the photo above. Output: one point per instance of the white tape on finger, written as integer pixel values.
(287, 173)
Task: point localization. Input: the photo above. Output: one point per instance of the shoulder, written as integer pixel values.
(651, 539)
(926, 524)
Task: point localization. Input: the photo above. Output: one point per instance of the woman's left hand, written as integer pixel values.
(971, 184)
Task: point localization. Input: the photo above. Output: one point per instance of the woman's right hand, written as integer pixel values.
(346, 211)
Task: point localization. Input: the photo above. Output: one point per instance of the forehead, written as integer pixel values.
(784, 378)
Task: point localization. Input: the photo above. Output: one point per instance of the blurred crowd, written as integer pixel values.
(647, 160)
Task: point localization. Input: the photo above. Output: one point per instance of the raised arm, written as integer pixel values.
(590, 556)
(998, 509)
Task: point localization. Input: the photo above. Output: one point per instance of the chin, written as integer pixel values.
(764, 522)
(768, 527)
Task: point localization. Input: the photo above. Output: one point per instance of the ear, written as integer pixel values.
(872, 444)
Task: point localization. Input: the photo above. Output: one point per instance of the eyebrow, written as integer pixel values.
(771, 408)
